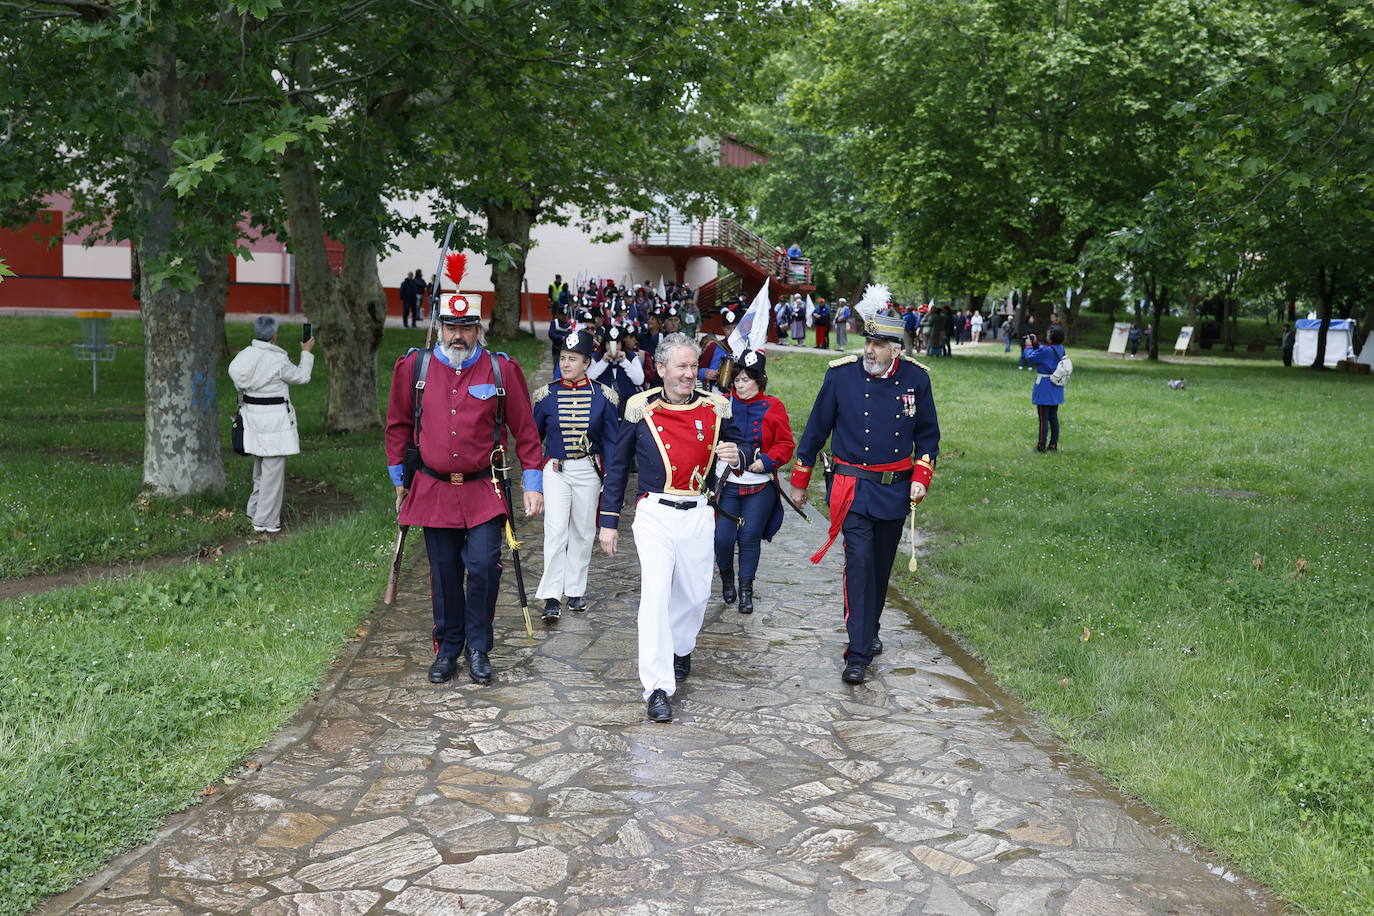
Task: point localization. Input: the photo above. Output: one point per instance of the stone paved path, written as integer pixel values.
(776, 789)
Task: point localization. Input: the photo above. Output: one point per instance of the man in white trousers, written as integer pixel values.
(674, 434)
(577, 420)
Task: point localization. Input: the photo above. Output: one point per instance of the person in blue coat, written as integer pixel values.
(578, 420)
(751, 494)
(879, 415)
(1046, 395)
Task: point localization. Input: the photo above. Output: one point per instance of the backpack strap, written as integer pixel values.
(500, 399)
(420, 369)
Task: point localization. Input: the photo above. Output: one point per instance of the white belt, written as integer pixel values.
(1040, 375)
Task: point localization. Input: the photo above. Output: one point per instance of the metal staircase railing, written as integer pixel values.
(725, 234)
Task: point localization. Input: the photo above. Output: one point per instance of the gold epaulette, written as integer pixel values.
(916, 362)
(539, 394)
(634, 407)
(844, 361)
(720, 404)
(611, 394)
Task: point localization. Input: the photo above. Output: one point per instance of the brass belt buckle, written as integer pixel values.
(888, 476)
(455, 479)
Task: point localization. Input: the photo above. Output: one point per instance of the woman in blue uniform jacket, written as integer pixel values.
(751, 494)
(1046, 395)
(578, 420)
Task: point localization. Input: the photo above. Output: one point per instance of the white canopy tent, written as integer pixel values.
(1340, 341)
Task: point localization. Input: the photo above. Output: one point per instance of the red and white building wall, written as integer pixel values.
(57, 269)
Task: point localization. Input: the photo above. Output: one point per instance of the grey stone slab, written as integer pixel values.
(331, 903)
(372, 865)
(530, 870)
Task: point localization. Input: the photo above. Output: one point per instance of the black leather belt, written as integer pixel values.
(848, 470)
(683, 504)
(456, 479)
(248, 400)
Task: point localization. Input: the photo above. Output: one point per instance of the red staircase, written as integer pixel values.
(751, 260)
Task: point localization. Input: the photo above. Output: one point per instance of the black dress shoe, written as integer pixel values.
(442, 669)
(853, 673)
(660, 710)
(746, 596)
(479, 667)
(682, 666)
(577, 605)
(551, 609)
(877, 647)
(727, 586)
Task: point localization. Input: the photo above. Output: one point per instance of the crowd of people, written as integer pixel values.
(637, 400)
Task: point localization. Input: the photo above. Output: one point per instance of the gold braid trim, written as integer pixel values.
(916, 362)
(539, 394)
(844, 361)
(611, 394)
(721, 405)
(634, 407)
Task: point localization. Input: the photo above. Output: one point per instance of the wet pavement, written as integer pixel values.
(776, 788)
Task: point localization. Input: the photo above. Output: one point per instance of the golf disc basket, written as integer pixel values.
(94, 347)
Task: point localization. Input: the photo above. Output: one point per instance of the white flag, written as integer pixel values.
(662, 290)
(810, 311)
(752, 331)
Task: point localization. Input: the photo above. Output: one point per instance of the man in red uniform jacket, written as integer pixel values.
(454, 495)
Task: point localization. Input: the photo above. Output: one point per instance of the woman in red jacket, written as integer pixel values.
(750, 494)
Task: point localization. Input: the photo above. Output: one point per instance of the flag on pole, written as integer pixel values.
(752, 331)
(810, 311)
(662, 290)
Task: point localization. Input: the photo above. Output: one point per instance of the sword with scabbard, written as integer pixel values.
(713, 494)
(500, 468)
(773, 479)
(398, 553)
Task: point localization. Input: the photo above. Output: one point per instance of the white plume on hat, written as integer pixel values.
(875, 298)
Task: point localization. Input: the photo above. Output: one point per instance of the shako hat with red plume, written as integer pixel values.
(458, 307)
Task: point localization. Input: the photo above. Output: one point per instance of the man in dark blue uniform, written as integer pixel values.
(879, 415)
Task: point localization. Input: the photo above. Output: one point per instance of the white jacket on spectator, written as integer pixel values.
(263, 370)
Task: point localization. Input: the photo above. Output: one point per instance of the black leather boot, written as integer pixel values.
(746, 595)
(727, 586)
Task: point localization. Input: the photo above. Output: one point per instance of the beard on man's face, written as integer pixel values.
(879, 362)
(457, 351)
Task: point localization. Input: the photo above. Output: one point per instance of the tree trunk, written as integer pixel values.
(1326, 292)
(1160, 301)
(355, 336)
(219, 301)
(348, 311)
(1071, 318)
(1038, 304)
(181, 450)
(509, 228)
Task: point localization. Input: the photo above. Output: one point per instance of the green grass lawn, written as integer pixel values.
(124, 699)
(1237, 701)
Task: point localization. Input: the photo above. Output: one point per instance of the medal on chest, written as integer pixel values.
(701, 432)
(909, 404)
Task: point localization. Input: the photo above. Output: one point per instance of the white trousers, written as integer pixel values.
(269, 478)
(570, 502)
(676, 549)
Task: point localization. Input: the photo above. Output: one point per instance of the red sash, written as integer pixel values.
(842, 497)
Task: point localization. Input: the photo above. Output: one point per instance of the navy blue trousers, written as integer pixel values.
(870, 546)
(755, 510)
(463, 610)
